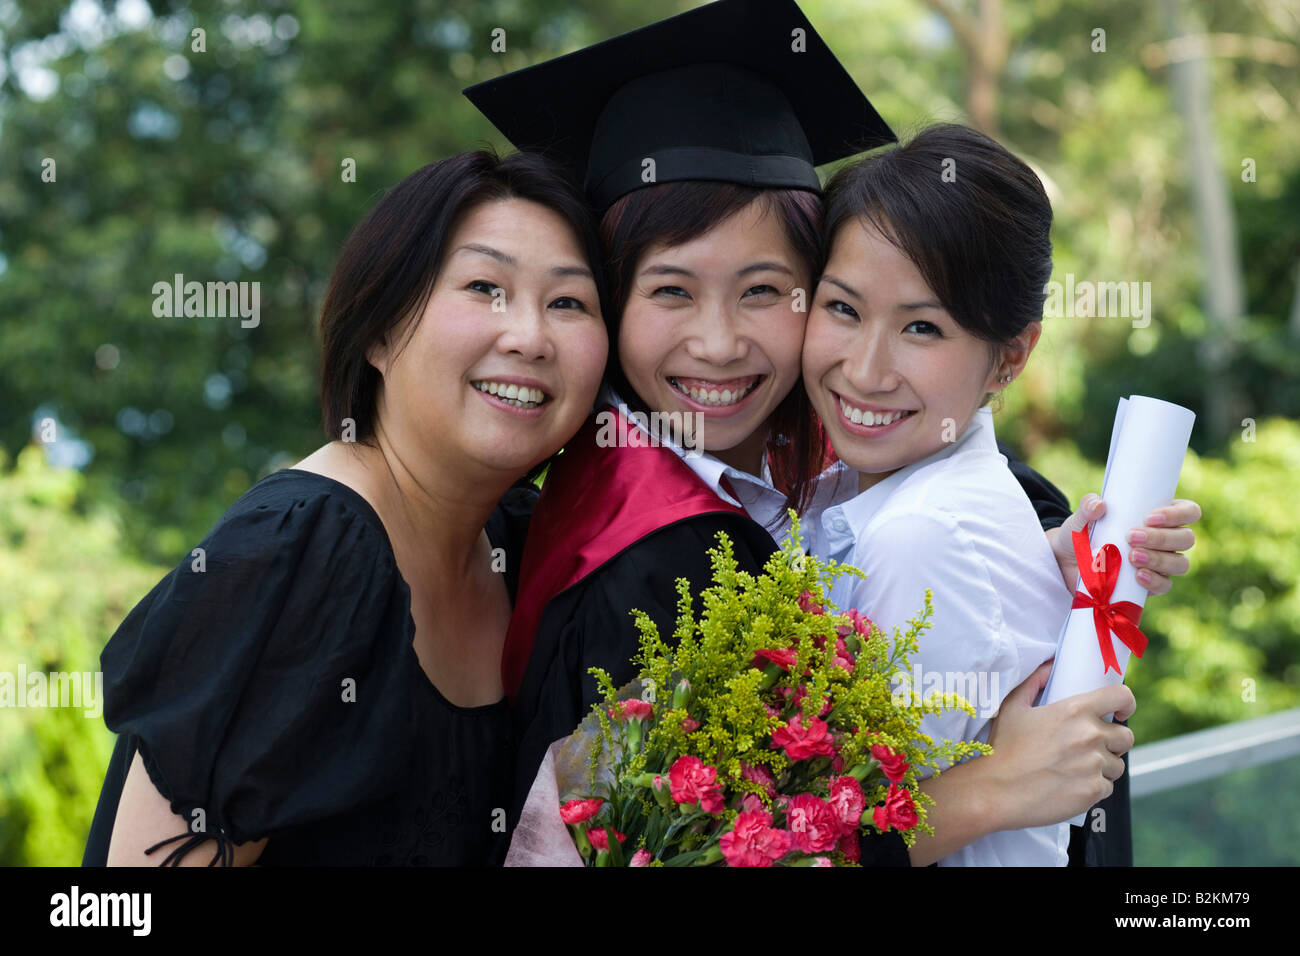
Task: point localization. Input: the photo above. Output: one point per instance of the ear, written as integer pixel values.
(379, 354)
(1013, 356)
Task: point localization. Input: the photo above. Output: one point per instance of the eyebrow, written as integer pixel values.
(581, 271)
(846, 287)
(765, 267)
(497, 254)
(901, 307)
(509, 260)
(667, 269)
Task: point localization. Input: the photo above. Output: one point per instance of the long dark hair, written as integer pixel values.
(388, 266)
(677, 212)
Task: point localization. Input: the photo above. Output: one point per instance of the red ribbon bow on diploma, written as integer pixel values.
(1120, 616)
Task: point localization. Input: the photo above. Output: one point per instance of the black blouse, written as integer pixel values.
(270, 685)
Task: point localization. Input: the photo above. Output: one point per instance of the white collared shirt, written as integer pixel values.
(958, 523)
(756, 493)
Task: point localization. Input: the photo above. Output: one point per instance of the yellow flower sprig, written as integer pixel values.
(712, 702)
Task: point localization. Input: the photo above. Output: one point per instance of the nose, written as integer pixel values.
(525, 332)
(869, 365)
(715, 337)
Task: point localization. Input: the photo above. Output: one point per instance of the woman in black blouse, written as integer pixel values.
(320, 683)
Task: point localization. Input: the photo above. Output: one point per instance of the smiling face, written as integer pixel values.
(892, 374)
(709, 327)
(503, 364)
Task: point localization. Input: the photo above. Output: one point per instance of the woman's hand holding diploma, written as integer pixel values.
(1157, 546)
(1048, 764)
(1054, 762)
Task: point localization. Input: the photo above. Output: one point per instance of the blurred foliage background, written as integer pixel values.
(133, 148)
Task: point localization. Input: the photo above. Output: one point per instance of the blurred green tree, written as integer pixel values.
(66, 582)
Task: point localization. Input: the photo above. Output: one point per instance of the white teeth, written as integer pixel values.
(520, 396)
(714, 396)
(875, 419)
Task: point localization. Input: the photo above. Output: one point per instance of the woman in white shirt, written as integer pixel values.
(930, 303)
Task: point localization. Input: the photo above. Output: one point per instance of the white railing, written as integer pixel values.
(1205, 754)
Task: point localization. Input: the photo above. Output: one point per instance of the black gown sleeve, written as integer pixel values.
(1106, 839)
(270, 687)
(1050, 503)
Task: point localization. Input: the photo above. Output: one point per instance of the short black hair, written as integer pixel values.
(388, 265)
(973, 218)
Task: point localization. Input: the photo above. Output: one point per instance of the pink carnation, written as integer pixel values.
(783, 658)
(801, 743)
(693, 781)
(898, 812)
(640, 858)
(847, 803)
(893, 764)
(843, 659)
(860, 625)
(796, 695)
(813, 826)
(809, 604)
(577, 811)
(690, 724)
(753, 841)
(756, 773)
(600, 838)
(634, 709)
(850, 847)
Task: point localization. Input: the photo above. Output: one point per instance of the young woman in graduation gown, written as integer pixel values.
(708, 258)
(319, 682)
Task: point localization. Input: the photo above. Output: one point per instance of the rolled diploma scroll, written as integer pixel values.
(1147, 447)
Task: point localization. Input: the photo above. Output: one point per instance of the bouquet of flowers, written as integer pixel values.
(769, 734)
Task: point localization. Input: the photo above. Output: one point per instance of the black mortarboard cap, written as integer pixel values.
(727, 92)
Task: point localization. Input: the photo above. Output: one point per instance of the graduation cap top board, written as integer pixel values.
(740, 91)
